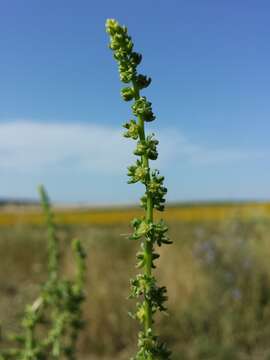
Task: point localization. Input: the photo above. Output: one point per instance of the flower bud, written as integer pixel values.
(140, 173)
(143, 108)
(135, 58)
(142, 81)
(113, 27)
(127, 93)
(132, 130)
(137, 172)
(140, 149)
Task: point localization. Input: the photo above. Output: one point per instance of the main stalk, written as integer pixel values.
(149, 214)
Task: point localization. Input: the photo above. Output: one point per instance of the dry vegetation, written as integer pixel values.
(32, 215)
(217, 274)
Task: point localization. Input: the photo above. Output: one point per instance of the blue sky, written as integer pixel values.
(61, 113)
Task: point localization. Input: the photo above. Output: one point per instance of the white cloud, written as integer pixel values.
(29, 145)
(25, 145)
(197, 154)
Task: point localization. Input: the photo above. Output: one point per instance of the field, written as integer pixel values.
(217, 273)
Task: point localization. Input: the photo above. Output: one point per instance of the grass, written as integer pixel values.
(217, 274)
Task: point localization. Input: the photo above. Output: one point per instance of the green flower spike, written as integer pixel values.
(151, 297)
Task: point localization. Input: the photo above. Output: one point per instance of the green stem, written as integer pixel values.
(149, 217)
(53, 246)
(148, 265)
(29, 346)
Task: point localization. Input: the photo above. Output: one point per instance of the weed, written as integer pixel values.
(151, 233)
(51, 324)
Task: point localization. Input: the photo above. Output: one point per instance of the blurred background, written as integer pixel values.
(60, 125)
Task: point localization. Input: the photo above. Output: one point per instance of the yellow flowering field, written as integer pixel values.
(113, 216)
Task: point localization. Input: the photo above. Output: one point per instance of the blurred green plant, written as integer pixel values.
(144, 286)
(51, 325)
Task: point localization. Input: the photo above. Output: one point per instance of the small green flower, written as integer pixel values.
(143, 108)
(127, 93)
(137, 172)
(133, 130)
